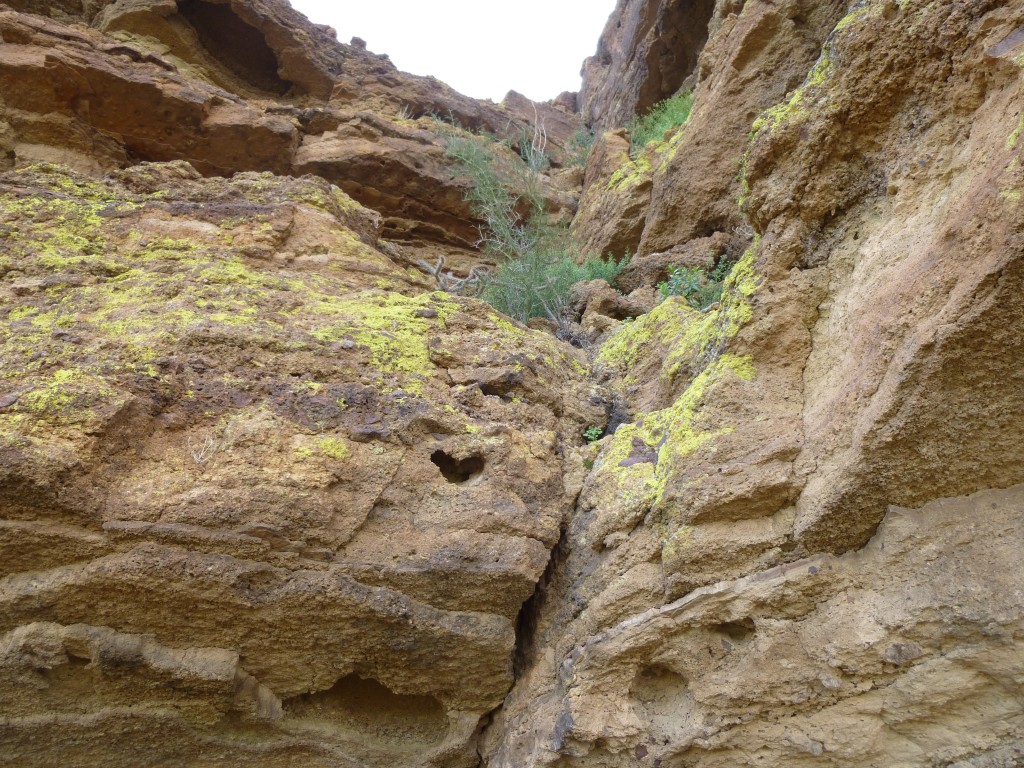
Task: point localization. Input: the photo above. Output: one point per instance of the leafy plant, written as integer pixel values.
(593, 433)
(501, 187)
(538, 263)
(662, 116)
(578, 149)
(537, 284)
(699, 290)
(682, 281)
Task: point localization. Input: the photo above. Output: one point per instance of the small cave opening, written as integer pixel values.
(738, 631)
(360, 707)
(458, 471)
(235, 44)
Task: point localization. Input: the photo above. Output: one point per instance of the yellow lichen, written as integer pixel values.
(690, 337)
(630, 173)
(1013, 138)
(794, 108)
(333, 447)
(639, 459)
(395, 328)
(66, 396)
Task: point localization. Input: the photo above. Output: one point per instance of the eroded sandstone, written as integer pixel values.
(268, 497)
(257, 480)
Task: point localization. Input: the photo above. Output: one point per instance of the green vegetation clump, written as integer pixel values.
(701, 290)
(670, 113)
(579, 147)
(538, 262)
(592, 433)
(538, 283)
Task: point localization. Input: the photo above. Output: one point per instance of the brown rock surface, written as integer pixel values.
(262, 495)
(686, 186)
(648, 50)
(267, 499)
(653, 268)
(616, 195)
(876, 657)
(248, 86)
(863, 361)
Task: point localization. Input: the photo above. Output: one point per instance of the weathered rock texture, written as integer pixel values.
(686, 186)
(745, 582)
(266, 498)
(246, 86)
(647, 52)
(263, 497)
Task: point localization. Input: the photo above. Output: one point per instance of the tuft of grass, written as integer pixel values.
(671, 112)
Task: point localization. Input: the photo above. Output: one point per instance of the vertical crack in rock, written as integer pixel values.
(527, 620)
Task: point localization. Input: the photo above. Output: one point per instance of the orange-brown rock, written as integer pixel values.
(249, 86)
(796, 549)
(267, 497)
(614, 200)
(599, 306)
(686, 187)
(653, 268)
(754, 57)
(648, 50)
(262, 496)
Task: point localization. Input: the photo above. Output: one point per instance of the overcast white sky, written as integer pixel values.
(482, 48)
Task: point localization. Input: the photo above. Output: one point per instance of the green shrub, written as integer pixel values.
(592, 433)
(699, 289)
(604, 269)
(682, 281)
(500, 188)
(577, 151)
(537, 284)
(538, 263)
(662, 116)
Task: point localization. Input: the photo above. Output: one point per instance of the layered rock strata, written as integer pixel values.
(268, 497)
(248, 86)
(264, 497)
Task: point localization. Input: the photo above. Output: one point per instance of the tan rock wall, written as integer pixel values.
(263, 497)
(267, 499)
(863, 360)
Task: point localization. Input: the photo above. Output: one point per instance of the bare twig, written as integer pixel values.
(203, 453)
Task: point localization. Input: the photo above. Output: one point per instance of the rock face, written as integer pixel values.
(787, 555)
(263, 495)
(647, 51)
(267, 497)
(246, 86)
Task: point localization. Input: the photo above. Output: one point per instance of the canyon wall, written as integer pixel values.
(267, 496)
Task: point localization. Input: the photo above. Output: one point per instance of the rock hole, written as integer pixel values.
(459, 471)
(737, 631)
(237, 45)
(663, 701)
(359, 707)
